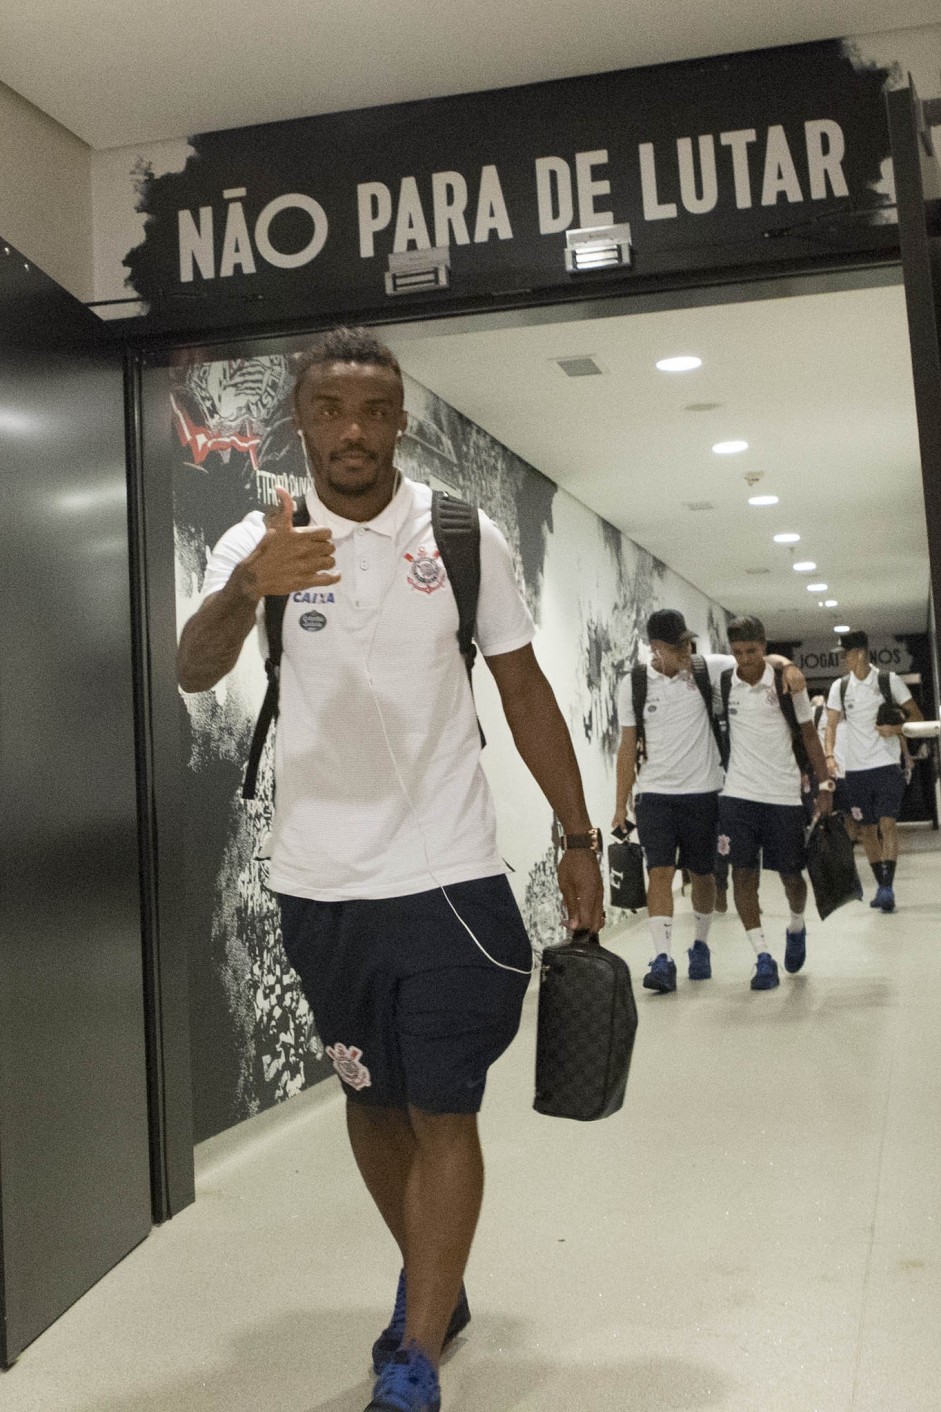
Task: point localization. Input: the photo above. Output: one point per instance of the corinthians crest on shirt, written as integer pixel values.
(426, 571)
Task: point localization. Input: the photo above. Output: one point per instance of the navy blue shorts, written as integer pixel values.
(768, 836)
(680, 827)
(408, 1008)
(841, 799)
(875, 794)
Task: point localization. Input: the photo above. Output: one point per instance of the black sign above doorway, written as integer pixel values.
(742, 162)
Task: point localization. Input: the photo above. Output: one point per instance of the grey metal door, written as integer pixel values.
(74, 1160)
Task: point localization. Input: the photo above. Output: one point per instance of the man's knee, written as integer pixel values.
(744, 880)
(442, 1129)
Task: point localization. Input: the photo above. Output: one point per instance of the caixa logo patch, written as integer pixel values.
(313, 621)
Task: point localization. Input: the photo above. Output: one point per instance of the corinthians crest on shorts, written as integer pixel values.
(427, 571)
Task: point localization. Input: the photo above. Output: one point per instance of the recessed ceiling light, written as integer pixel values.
(804, 566)
(817, 587)
(843, 627)
(830, 603)
(679, 365)
(762, 500)
(786, 538)
(729, 448)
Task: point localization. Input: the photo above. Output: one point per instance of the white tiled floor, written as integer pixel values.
(757, 1231)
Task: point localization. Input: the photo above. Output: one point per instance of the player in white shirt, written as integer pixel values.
(396, 910)
(875, 782)
(761, 819)
(676, 784)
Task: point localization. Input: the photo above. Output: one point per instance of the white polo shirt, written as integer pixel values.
(866, 749)
(384, 637)
(761, 759)
(682, 755)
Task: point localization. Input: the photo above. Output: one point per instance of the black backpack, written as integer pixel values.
(456, 528)
(639, 701)
(890, 712)
(786, 703)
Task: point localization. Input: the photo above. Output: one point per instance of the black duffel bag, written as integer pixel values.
(831, 865)
(626, 871)
(585, 1032)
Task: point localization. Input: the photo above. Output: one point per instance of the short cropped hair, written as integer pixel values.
(345, 345)
(746, 629)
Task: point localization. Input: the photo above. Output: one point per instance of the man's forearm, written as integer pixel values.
(625, 775)
(212, 639)
(545, 746)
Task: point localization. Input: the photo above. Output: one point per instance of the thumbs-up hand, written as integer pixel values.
(289, 558)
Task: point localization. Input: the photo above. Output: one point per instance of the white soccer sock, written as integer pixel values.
(703, 922)
(757, 938)
(661, 929)
(796, 924)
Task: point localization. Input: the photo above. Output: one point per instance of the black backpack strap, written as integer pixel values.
(786, 702)
(639, 702)
(725, 688)
(703, 681)
(456, 528)
(844, 683)
(885, 686)
(274, 620)
(818, 712)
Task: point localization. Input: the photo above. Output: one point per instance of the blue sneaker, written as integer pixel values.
(795, 950)
(390, 1340)
(662, 974)
(408, 1383)
(700, 965)
(766, 972)
(888, 899)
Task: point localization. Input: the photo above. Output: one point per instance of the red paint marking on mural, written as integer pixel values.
(202, 441)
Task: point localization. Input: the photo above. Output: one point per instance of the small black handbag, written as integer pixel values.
(626, 872)
(585, 1033)
(831, 866)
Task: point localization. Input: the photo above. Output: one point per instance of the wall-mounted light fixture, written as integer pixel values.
(415, 271)
(598, 248)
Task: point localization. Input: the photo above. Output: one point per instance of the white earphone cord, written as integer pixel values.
(517, 970)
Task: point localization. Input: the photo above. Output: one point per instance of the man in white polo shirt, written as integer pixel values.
(396, 911)
(677, 783)
(875, 782)
(761, 819)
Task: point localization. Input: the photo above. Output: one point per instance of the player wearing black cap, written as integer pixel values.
(667, 708)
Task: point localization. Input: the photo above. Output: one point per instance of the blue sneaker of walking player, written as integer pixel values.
(390, 1340)
(766, 972)
(408, 1383)
(662, 974)
(884, 899)
(700, 966)
(795, 950)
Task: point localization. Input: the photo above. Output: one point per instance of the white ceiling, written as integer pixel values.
(820, 387)
(126, 71)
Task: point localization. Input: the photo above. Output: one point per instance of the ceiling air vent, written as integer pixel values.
(699, 504)
(757, 571)
(585, 367)
(701, 406)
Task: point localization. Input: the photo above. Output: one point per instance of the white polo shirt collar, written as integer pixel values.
(398, 510)
(765, 680)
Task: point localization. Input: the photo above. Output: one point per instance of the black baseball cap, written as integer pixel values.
(667, 625)
(851, 640)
